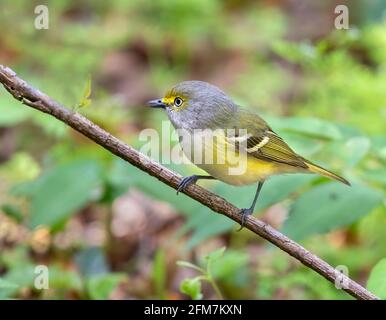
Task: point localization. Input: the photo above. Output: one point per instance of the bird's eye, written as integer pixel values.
(178, 102)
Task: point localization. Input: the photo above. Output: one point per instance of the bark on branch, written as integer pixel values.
(32, 97)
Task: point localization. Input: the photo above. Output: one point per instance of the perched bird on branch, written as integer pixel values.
(232, 144)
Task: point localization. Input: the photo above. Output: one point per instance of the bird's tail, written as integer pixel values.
(319, 170)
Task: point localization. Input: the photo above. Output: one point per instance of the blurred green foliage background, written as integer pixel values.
(107, 230)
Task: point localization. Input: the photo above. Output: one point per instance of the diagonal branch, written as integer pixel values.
(32, 97)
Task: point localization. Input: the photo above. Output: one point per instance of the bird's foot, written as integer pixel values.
(186, 182)
(244, 214)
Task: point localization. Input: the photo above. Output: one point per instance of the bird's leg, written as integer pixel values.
(190, 180)
(246, 212)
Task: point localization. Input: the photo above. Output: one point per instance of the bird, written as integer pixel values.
(239, 147)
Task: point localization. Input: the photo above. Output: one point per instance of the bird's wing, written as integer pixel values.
(272, 148)
(260, 141)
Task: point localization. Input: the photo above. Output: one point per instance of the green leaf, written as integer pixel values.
(192, 288)
(62, 191)
(159, 274)
(49, 124)
(13, 212)
(24, 189)
(12, 259)
(230, 264)
(100, 287)
(11, 111)
(214, 255)
(62, 279)
(378, 144)
(376, 175)
(377, 279)
(21, 276)
(4, 284)
(20, 167)
(295, 52)
(85, 100)
(232, 268)
(354, 150)
(329, 206)
(311, 127)
(190, 265)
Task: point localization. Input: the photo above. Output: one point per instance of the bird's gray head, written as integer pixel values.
(196, 105)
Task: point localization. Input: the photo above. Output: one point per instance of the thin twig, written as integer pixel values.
(32, 97)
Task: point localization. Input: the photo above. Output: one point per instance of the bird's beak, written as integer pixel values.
(157, 103)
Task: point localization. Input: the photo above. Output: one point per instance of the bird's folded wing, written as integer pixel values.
(267, 146)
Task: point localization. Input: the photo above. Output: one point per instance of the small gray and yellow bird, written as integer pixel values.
(242, 147)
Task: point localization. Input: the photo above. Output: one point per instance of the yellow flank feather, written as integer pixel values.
(211, 151)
